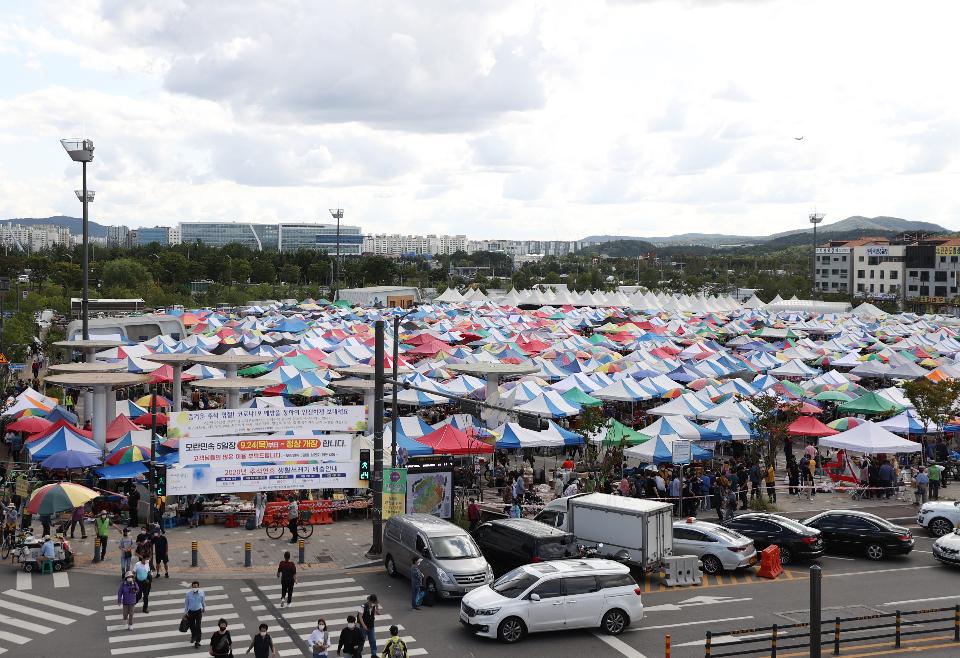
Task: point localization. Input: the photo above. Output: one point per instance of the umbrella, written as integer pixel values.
(127, 455)
(832, 396)
(59, 497)
(144, 420)
(31, 424)
(145, 402)
(70, 459)
(844, 424)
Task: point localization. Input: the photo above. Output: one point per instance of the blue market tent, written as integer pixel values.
(121, 471)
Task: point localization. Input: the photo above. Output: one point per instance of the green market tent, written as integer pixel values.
(618, 432)
(576, 396)
(869, 404)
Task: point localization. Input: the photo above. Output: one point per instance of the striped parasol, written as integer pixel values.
(128, 454)
(59, 497)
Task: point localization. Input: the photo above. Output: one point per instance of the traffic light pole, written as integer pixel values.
(376, 547)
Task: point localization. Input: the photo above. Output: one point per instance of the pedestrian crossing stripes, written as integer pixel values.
(25, 579)
(331, 599)
(25, 616)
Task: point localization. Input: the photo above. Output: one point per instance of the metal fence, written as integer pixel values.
(890, 628)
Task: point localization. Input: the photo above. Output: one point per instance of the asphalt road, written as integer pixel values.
(79, 611)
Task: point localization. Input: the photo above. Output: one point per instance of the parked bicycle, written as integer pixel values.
(276, 526)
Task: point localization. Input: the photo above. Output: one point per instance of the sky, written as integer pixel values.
(552, 119)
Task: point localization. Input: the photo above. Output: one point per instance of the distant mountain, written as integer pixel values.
(75, 224)
(857, 224)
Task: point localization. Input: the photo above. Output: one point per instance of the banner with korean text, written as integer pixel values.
(394, 492)
(231, 422)
(221, 449)
(237, 478)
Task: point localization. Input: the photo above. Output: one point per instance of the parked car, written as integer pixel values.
(851, 531)
(795, 540)
(452, 562)
(947, 548)
(717, 547)
(550, 596)
(939, 517)
(511, 543)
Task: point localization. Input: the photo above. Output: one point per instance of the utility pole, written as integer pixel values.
(376, 546)
(336, 213)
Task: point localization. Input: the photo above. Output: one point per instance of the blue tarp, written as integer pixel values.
(121, 471)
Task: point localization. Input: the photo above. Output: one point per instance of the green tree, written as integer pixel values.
(934, 402)
(262, 271)
(241, 271)
(67, 274)
(290, 273)
(125, 273)
(769, 426)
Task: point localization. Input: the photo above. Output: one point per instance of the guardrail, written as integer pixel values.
(893, 627)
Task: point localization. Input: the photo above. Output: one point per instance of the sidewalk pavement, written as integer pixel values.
(220, 550)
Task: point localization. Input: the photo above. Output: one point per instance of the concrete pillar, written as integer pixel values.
(233, 399)
(88, 410)
(368, 400)
(111, 407)
(493, 397)
(100, 416)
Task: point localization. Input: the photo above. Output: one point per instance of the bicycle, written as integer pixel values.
(276, 527)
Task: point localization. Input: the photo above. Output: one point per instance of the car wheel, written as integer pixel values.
(615, 621)
(58, 566)
(431, 589)
(786, 555)
(28, 566)
(875, 551)
(939, 527)
(511, 630)
(711, 564)
(390, 566)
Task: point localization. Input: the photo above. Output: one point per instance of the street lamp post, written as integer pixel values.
(815, 218)
(337, 214)
(81, 150)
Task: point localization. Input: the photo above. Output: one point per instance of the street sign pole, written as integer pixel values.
(376, 547)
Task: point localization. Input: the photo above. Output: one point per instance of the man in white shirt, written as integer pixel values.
(660, 485)
(572, 489)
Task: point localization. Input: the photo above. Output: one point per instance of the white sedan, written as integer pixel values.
(947, 548)
(717, 547)
(939, 517)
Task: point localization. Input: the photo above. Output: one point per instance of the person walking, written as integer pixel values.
(473, 514)
(194, 605)
(127, 598)
(259, 506)
(293, 516)
(395, 647)
(262, 644)
(287, 573)
(319, 640)
(221, 644)
(351, 640)
(103, 524)
(161, 553)
(367, 618)
(126, 551)
(144, 581)
(416, 583)
(921, 481)
(771, 480)
(76, 518)
(933, 472)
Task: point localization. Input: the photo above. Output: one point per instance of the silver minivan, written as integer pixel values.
(452, 563)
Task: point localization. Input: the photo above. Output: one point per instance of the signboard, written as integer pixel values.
(17, 367)
(681, 451)
(931, 300)
(236, 478)
(231, 422)
(878, 251)
(949, 250)
(394, 492)
(220, 450)
(22, 487)
(430, 493)
(833, 250)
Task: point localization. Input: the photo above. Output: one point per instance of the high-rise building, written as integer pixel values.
(33, 237)
(268, 237)
(396, 245)
(118, 236)
(158, 234)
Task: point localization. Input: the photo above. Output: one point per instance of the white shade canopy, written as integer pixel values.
(871, 439)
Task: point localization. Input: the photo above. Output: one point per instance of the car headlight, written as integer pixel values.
(489, 572)
(442, 575)
(486, 612)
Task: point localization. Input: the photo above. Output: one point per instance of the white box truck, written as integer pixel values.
(632, 530)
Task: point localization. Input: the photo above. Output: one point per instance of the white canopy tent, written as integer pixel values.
(871, 439)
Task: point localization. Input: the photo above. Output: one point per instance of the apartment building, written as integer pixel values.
(878, 269)
(832, 267)
(33, 237)
(395, 245)
(933, 273)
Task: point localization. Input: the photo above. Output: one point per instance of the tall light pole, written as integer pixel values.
(81, 150)
(815, 218)
(337, 214)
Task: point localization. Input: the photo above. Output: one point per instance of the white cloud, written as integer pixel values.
(538, 118)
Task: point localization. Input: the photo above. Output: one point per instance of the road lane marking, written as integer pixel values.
(13, 637)
(309, 584)
(39, 614)
(25, 625)
(688, 623)
(160, 623)
(618, 645)
(837, 557)
(61, 579)
(155, 635)
(50, 602)
(119, 651)
(24, 580)
(173, 611)
(933, 598)
(171, 603)
(866, 573)
(168, 592)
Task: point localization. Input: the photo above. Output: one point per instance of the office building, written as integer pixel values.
(273, 237)
(118, 236)
(878, 269)
(149, 235)
(933, 274)
(831, 270)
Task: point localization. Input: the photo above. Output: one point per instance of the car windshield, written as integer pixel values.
(514, 583)
(460, 547)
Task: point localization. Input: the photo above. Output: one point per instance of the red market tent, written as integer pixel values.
(120, 426)
(810, 426)
(448, 440)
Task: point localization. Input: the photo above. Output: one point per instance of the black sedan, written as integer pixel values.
(795, 540)
(850, 531)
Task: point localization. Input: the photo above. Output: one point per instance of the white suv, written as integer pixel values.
(939, 517)
(554, 595)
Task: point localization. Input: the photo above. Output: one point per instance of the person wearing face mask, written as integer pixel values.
(141, 570)
(416, 584)
(194, 604)
(351, 640)
(127, 598)
(126, 551)
(319, 640)
(221, 644)
(262, 644)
